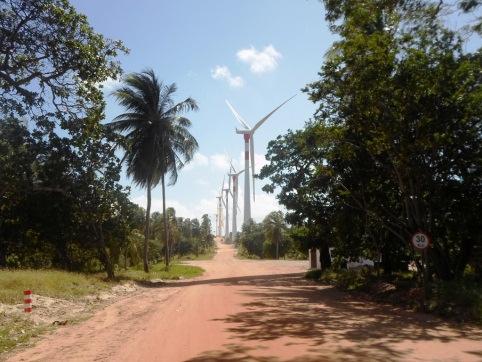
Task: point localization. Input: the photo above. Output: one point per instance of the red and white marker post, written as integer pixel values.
(27, 301)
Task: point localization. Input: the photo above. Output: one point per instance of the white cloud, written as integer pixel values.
(220, 161)
(223, 73)
(190, 210)
(260, 61)
(262, 206)
(259, 161)
(110, 84)
(198, 160)
(201, 182)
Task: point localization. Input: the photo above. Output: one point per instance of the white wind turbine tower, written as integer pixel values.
(226, 205)
(235, 177)
(248, 134)
(219, 216)
(220, 210)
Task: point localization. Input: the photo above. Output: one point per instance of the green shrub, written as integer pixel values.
(314, 274)
(460, 298)
(12, 261)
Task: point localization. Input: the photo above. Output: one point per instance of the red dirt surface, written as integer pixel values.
(246, 310)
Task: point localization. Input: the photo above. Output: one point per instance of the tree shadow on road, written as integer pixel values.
(277, 279)
(289, 306)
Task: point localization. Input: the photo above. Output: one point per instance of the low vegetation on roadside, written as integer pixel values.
(459, 299)
(16, 331)
(206, 255)
(16, 328)
(158, 271)
(51, 283)
(270, 239)
(68, 285)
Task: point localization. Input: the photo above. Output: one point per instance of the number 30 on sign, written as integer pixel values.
(420, 240)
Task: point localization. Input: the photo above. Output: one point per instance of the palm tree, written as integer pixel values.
(157, 141)
(274, 225)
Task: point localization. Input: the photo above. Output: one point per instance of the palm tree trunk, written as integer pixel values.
(146, 231)
(166, 237)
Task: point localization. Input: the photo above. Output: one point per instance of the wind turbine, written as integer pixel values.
(219, 216)
(226, 205)
(235, 177)
(220, 210)
(248, 134)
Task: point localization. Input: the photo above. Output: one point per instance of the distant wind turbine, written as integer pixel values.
(235, 177)
(220, 223)
(219, 216)
(248, 134)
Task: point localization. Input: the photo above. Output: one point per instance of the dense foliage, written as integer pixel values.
(395, 145)
(270, 239)
(61, 203)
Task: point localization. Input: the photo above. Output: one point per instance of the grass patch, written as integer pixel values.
(17, 331)
(204, 256)
(68, 285)
(51, 283)
(157, 271)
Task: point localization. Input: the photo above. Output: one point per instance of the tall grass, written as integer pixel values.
(51, 283)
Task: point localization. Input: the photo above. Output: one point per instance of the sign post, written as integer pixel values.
(421, 241)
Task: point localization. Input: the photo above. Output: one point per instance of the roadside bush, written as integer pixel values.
(314, 274)
(460, 298)
(12, 261)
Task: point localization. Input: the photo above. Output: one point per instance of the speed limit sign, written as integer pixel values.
(420, 240)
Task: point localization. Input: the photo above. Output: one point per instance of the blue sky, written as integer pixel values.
(255, 53)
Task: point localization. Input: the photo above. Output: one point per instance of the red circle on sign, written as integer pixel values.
(420, 240)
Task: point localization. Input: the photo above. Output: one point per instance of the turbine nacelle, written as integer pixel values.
(243, 131)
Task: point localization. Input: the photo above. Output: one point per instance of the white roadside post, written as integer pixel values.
(27, 301)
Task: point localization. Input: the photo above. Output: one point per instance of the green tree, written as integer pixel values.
(274, 226)
(207, 238)
(158, 141)
(52, 63)
(395, 143)
(251, 239)
(52, 60)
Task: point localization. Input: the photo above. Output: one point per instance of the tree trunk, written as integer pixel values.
(166, 237)
(277, 249)
(125, 258)
(146, 231)
(325, 256)
(104, 253)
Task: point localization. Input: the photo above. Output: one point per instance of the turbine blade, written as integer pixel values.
(251, 145)
(257, 125)
(238, 117)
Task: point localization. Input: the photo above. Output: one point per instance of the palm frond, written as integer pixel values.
(157, 139)
(187, 105)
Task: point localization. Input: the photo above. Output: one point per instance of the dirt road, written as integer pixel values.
(243, 310)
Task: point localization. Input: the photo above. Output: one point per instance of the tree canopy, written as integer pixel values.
(395, 145)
